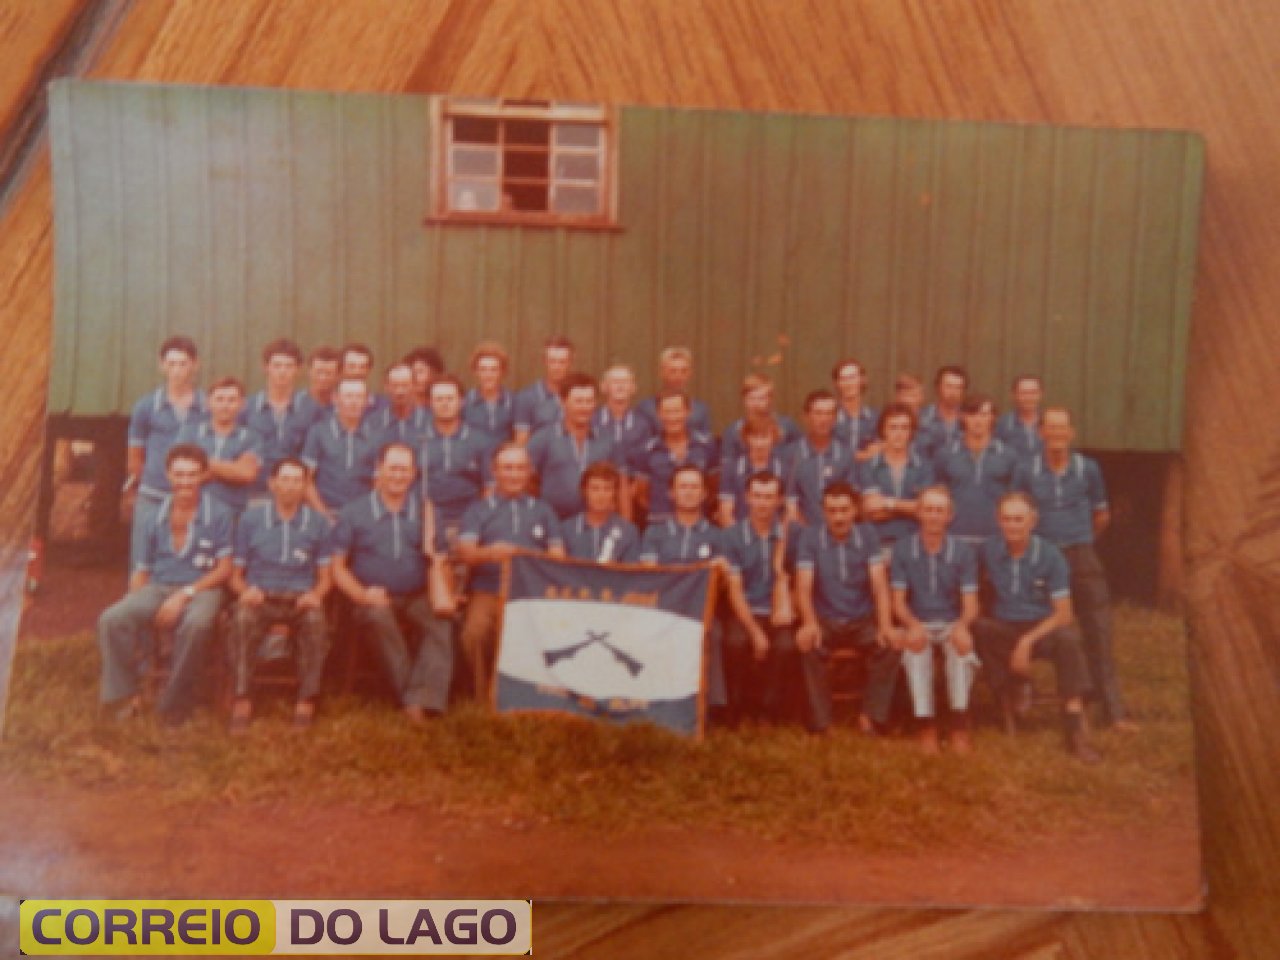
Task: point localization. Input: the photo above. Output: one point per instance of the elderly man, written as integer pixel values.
(1032, 618)
(494, 528)
(281, 576)
(935, 597)
(184, 558)
(380, 558)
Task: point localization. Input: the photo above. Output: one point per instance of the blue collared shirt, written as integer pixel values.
(559, 460)
(877, 475)
(841, 570)
(977, 482)
(1066, 501)
(224, 448)
(383, 547)
(280, 556)
(494, 419)
(670, 541)
(614, 541)
(934, 582)
(656, 464)
(734, 477)
(629, 432)
(732, 445)
(1027, 586)
(933, 433)
(207, 541)
(857, 433)
(343, 460)
(699, 415)
(388, 428)
(1022, 438)
(280, 434)
(750, 557)
(523, 521)
(452, 471)
(536, 406)
(812, 470)
(154, 427)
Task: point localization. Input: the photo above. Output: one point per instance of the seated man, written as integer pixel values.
(380, 564)
(494, 528)
(843, 597)
(600, 533)
(935, 597)
(281, 576)
(1032, 617)
(184, 558)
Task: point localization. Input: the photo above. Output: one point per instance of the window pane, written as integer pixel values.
(578, 135)
(575, 200)
(475, 161)
(475, 130)
(577, 166)
(519, 163)
(473, 195)
(530, 132)
(526, 196)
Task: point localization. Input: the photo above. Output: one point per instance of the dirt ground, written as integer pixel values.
(119, 842)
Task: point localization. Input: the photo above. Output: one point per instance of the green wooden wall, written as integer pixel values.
(238, 215)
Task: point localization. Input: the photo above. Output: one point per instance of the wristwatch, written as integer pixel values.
(189, 591)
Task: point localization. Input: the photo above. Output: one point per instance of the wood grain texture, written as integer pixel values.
(1184, 64)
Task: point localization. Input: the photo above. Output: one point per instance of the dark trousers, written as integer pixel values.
(997, 638)
(761, 689)
(421, 679)
(1092, 603)
(881, 662)
(310, 641)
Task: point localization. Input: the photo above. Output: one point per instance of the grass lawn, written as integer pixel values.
(772, 783)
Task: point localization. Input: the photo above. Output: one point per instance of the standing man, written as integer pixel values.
(616, 418)
(494, 528)
(891, 479)
(451, 462)
(559, 452)
(380, 561)
(426, 364)
(935, 597)
(1071, 500)
(761, 453)
(1032, 618)
(281, 576)
(1019, 428)
(940, 421)
(600, 534)
(234, 451)
(323, 374)
(674, 447)
(153, 429)
(357, 364)
(184, 558)
(855, 420)
(842, 593)
(977, 469)
(675, 373)
(340, 451)
(278, 416)
(818, 459)
(489, 407)
(538, 405)
(757, 407)
(401, 418)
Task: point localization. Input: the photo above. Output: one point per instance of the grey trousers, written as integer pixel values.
(127, 638)
(310, 641)
(1092, 602)
(421, 680)
(882, 669)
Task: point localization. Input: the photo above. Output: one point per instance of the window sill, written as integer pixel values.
(521, 220)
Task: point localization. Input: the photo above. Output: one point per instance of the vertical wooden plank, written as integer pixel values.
(770, 238)
(365, 205)
(269, 202)
(316, 277)
(227, 253)
(909, 268)
(582, 271)
(680, 226)
(633, 253)
(407, 171)
(66, 245)
(535, 307)
(1026, 252)
(875, 173)
(1190, 196)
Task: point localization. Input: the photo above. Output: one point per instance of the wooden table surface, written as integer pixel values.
(1188, 64)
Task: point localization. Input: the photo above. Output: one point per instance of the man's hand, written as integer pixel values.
(962, 639)
(759, 642)
(915, 638)
(375, 597)
(307, 601)
(171, 610)
(808, 637)
(891, 638)
(1020, 661)
(252, 596)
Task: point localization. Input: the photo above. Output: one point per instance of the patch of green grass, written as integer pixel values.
(773, 783)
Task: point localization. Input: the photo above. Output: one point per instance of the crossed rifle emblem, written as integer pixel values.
(633, 666)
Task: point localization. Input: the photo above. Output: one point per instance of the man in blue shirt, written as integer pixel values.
(494, 528)
(340, 451)
(324, 370)
(1019, 428)
(842, 594)
(935, 597)
(400, 417)
(855, 421)
(380, 563)
(278, 414)
(357, 364)
(538, 405)
(451, 462)
(675, 372)
(184, 558)
(559, 452)
(600, 534)
(426, 364)
(757, 407)
(234, 450)
(977, 469)
(675, 446)
(817, 459)
(1071, 499)
(1031, 618)
(892, 478)
(153, 429)
(940, 421)
(616, 418)
(281, 576)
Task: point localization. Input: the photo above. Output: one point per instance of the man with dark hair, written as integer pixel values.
(323, 373)
(538, 405)
(1071, 499)
(400, 419)
(891, 480)
(1019, 428)
(1031, 618)
(451, 461)
(761, 451)
(855, 419)
(842, 594)
(153, 429)
(277, 413)
(757, 407)
(600, 533)
(184, 558)
(817, 459)
(488, 406)
(494, 528)
(977, 469)
(675, 373)
(341, 451)
(559, 452)
(234, 450)
(426, 364)
(675, 446)
(357, 364)
(380, 564)
(281, 576)
(940, 422)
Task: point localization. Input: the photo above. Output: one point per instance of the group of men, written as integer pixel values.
(901, 535)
